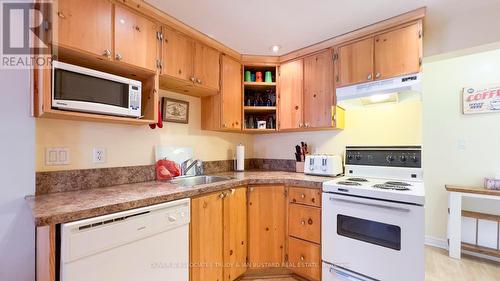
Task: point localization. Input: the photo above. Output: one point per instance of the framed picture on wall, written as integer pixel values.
(176, 111)
(481, 99)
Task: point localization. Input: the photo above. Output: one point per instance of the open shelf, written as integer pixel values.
(259, 85)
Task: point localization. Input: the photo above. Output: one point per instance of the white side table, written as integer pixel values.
(455, 195)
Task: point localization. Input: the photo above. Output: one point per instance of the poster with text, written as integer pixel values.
(481, 99)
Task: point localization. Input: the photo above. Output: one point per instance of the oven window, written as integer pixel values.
(385, 235)
(80, 87)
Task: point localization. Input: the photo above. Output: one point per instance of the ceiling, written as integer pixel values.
(252, 27)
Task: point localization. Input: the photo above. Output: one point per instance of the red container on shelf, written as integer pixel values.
(258, 76)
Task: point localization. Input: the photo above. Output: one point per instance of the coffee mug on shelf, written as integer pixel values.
(268, 77)
(248, 76)
(258, 76)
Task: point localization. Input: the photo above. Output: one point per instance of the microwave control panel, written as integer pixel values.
(135, 98)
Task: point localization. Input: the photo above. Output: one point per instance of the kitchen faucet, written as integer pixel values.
(185, 168)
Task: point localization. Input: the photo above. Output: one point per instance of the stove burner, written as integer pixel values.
(391, 187)
(357, 179)
(399, 183)
(351, 183)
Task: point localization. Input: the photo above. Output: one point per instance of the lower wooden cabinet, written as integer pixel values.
(218, 236)
(304, 230)
(304, 258)
(266, 226)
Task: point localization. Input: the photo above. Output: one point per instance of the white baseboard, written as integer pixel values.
(443, 244)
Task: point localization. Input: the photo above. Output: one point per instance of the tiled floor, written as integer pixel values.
(440, 267)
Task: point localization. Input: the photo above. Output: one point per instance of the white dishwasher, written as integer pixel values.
(150, 243)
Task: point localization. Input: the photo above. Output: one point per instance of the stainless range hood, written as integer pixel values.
(407, 83)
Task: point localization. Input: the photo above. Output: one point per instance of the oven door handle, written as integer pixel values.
(371, 204)
(345, 275)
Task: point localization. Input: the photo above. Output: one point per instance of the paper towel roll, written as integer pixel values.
(240, 157)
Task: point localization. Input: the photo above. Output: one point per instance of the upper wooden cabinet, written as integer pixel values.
(218, 236)
(189, 66)
(84, 25)
(398, 52)
(355, 63)
(177, 55)
(136, 41)
(206, 66)
(319, 94)
(385, 55)
(222, 112)
(231, 94)
(291, 76)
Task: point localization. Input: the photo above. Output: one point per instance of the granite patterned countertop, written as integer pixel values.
(69, 206)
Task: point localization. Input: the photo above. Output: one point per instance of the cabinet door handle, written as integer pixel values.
(61, 15)
(378, 75)
(222, 195)
(198, 81)
(119, 57)
(300, 125)
(192, 79)
(369, 77)
(107, 53)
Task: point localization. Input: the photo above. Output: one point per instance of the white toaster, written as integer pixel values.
(323, 165)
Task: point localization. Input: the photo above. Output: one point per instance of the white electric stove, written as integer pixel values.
(373, 217)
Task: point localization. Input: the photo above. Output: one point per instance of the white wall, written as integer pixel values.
(445, 127)
(17, 176)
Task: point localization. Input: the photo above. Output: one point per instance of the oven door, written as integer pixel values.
(380, 239)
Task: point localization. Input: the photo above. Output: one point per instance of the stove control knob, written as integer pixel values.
(358, 157)
(349, 156)
(402, 158)
(390, 158)
(414, 159)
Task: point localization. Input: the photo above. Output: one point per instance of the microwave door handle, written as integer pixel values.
(370, 204)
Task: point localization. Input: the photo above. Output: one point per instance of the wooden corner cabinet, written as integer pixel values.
(222, 112)
(218, 235)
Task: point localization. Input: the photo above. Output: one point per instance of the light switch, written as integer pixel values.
(55, 156)
(99, 155)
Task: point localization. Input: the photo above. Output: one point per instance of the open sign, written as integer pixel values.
(481, 99)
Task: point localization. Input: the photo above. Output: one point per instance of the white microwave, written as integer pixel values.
(82, 89)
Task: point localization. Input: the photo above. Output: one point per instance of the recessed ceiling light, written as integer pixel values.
(275, 48)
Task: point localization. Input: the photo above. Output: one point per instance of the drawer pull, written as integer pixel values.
(302, 258)
(302, 196)
(303, 222)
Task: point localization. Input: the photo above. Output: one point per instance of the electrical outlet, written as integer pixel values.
(55, 156)
(99, 155)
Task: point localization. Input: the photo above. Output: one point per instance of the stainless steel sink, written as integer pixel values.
(197, 180)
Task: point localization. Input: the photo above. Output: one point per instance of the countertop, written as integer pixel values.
(474, 190)
(69, 206)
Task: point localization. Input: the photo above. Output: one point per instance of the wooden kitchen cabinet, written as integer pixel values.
(235, 233)
(305, 196)
(319, 93)
(398, 52)
(206, 66)
(136, 41)
(223, 112)
(177, 55)
(266, 226)
(304, 221)
(291, 95)
(84, 25)
(206, 242)
(354, 63)
(218, 236)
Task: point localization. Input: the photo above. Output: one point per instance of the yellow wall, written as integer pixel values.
(398, 124)
(445, 127)
(132, 145)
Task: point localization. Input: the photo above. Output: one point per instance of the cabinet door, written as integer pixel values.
(266, 226)
(304, 222)
(290, 95)
(84, 25)
(231, 94)
(206, 66)
(135, 39)
(206, 238)
(319, 94)
(235, 233)
(398, 52)
(355, 63)
(177, 55)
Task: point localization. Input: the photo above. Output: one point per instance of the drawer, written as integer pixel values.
(304, 222)
(304, 258)
(306, 196)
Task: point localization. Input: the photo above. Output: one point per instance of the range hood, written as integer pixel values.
(393, 85)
